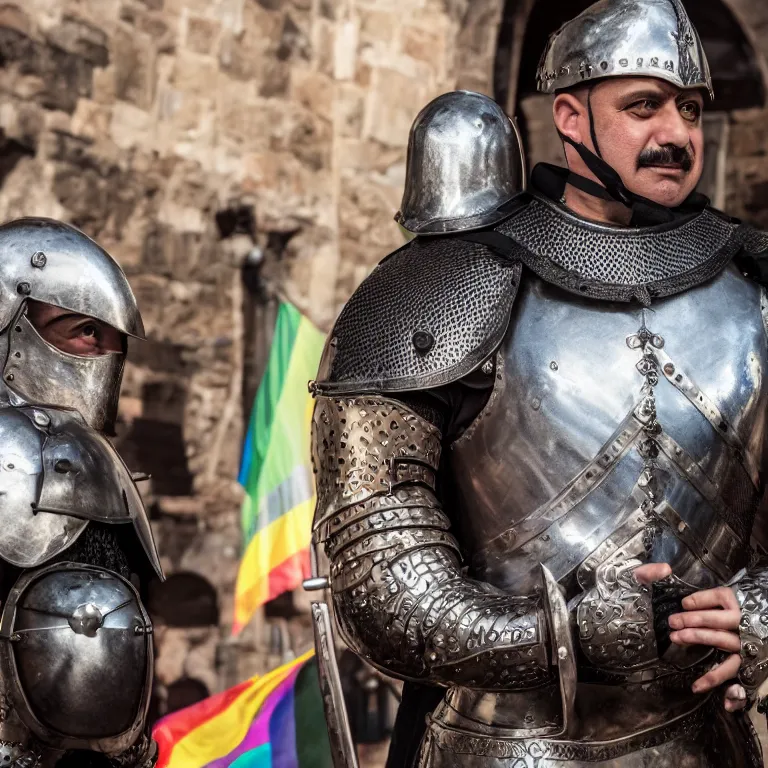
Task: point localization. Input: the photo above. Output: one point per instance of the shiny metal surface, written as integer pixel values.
(553, 469)
(558, 620)
(465, 161)
(549, 427)
(56, 474)
(343, 752)
(28, 537)
(399, 593)
(459, 293)
(752, 593)
(626, 38)
(84, 477)
(76, 685)
(41, 373)
(615, 433)
(704, 736)
(52, 262)
(56, 263)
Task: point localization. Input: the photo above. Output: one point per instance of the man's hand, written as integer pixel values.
(711, 618)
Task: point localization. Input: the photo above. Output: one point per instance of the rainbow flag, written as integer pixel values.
(276, 470)
(274, 721)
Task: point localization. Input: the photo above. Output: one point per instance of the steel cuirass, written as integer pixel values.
(625, 423)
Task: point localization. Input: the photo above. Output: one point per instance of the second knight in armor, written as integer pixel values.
(540, 433)
(76, 549)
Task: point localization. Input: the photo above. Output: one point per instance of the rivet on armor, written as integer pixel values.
(669, 369)
(604, 65)
(553, 365)
(624, 62)
(9, 377)
(535, 403)
(41, 418)
(658, 342)
(423, 341)
(764, 618)
(24, 289)
(487, 368)
(751, 650)
(86, 619)
(38, 260)
(62, 466)
(681, 526)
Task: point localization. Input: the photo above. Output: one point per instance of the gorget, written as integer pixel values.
(621, 263)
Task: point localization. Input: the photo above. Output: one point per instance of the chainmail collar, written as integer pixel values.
(621, 263)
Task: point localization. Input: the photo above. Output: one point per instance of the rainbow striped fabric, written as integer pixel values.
(276, 470)
(274, 721)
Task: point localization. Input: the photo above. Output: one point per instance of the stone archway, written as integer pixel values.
(738, 69)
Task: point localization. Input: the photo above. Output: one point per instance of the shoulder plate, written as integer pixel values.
(621, 263)
(56, 475)
(428, 315)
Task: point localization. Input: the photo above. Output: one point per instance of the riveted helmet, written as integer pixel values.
(626, 38)
(57, 264)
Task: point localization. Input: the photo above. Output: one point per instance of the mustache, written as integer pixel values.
(667, 155)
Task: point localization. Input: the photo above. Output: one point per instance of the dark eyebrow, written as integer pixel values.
(641, 95)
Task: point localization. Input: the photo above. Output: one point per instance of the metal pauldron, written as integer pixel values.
(615, 619)
(401, 598)
(752, 594)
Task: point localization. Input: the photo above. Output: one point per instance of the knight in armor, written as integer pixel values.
(540, 429)
(76, 548)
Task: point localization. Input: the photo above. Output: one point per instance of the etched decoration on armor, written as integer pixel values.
(398, 588)
(615, 620)
(620, 38)
(689, 72)
(752, 593)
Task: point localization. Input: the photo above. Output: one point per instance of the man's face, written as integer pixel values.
(73, 333)
(651, 133)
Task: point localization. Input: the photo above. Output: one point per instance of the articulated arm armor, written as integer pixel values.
(399, 592)
(752, 593)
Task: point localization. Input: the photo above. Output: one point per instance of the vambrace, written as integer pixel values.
(752, 594)
(400, 595)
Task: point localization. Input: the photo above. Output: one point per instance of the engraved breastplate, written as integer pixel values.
(612, 425)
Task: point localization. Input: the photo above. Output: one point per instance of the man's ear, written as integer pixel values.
(568, 111)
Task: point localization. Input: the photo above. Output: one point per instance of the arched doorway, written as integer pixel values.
(523, 33)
